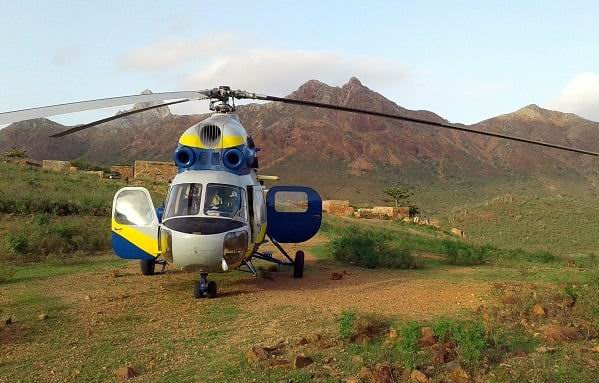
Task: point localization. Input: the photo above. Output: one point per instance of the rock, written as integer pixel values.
(520, 353)
(365, 373)
(427, 337)
(7, 321)
(418, 376)
(352, 380)
(361, 339)
(275, 362)
(392, 333)
(125, 373)
(42, 316)
(115, 273)
(357, 359)
(457, 232)
(595, 349)
(256, 354)
(439, 354)
(301, 361)
(87, 298)
(557, 333)
(382, 373)
(459, 375)
(302, 341)
(538, 310)
(336, 276)
(544, 349)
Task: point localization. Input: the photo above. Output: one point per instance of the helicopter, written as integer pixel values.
(217, 212)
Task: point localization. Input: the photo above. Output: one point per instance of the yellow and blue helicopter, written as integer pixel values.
(217, 211)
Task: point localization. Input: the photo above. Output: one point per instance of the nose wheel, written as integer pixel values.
(204, 288)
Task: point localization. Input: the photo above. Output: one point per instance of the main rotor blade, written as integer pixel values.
(115, 117)
(72, 107)
(417, 120)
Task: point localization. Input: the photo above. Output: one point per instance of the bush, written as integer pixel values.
(458, 253)
(370, 249)
(17, 244)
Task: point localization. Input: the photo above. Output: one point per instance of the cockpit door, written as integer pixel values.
(258, 218)
(294, 213)
(135, 225)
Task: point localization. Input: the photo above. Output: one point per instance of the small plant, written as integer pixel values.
(347, 322)
(407, 346)
(470, 340)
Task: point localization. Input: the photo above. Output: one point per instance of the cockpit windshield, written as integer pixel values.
(184, 199)
(224, 201)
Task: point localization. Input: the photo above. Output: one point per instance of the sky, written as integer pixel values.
(464, 60)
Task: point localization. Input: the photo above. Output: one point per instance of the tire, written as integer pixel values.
(148, 266)
(196, 291)
(298, 264)
(211, 290)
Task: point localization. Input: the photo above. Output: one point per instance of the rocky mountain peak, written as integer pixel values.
(160, 113)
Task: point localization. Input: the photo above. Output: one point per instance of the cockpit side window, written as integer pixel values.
(183, 199)
(225, 201)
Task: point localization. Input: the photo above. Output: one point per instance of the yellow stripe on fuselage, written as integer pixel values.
(193, 141)
(137, 237)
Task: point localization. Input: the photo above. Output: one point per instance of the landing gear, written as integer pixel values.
(298, 264)
(148, 266)
(204, 288)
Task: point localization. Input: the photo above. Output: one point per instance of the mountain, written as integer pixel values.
(347, 155)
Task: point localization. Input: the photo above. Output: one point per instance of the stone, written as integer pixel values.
(439, 354)
(357, 359)
(352, 380)
(427, 337)
(87, 298)
(538, 310)
(557, 333)
(7, 321)
(365, 373)
(42, 316)
(125, 373)
(382, 373)
(336, 276)
(361, 339)
(256, 354)
(392, 333)
(459, 375)
(115, 273)
(418, 376)
(457, 232)
(302, 341)
(313, 338)
(301, 361)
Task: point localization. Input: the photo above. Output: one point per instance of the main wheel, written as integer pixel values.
(298, 264)
(148, 266)
(211, 289)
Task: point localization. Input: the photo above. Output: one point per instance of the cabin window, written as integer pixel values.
(225, 201)
(183, 199)
(291, 202)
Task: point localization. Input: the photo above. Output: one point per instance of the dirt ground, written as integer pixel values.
(104, 318)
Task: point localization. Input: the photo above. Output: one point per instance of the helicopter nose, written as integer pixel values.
(193, 252)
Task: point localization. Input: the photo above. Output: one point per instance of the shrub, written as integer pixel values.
(347, 321)
(17, 243)
(470, 341)
(370, 249)
(458, 253)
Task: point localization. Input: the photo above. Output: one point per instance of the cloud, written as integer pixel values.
(66, 55)
(173, 53)
(228, 60)
(579, 96)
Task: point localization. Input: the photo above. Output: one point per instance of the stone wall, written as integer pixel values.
(126, 171)
(56, 166)
(155, 170)
(338, 208)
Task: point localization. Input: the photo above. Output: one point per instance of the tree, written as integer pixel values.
(14, 152)
(398, 193)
